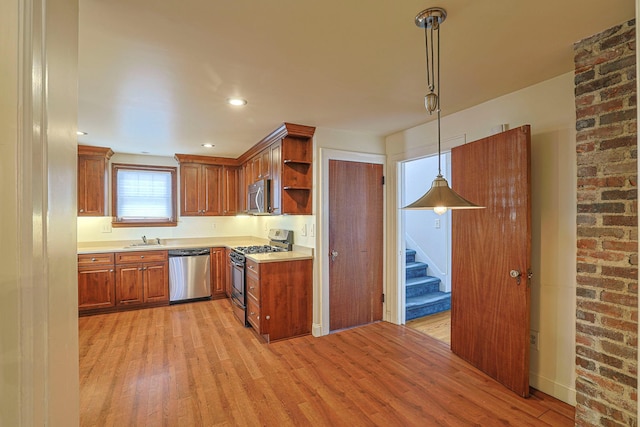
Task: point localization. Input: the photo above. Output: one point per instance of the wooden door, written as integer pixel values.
(355, 240)
(129, 284)
(156, 282)
(490, 309)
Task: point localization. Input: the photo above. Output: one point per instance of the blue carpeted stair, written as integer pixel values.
(423, 291)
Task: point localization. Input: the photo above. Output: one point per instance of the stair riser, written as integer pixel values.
(411, 258)
(428, 309)
(417, 271)
(421, 289)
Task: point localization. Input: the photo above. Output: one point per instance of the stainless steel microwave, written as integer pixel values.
(258, 198)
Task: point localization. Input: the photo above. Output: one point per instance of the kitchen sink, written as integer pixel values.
(144, 245)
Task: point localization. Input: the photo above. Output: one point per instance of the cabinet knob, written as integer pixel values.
(93, 259)
(81, 210)
(252, 287)
(140, 269)
(111, 271)
(252, 313)
(267, 317)
(141, 256)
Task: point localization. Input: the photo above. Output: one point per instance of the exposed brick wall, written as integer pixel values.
(607, 264)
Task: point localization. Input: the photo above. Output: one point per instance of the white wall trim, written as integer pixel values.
(321, 322)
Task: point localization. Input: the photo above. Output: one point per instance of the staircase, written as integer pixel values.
(423, 296)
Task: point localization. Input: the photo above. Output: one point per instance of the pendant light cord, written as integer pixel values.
(438, 93)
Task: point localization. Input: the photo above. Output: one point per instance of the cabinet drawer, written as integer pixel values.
(85, 260)
(252, 266)
(140, 256)
(253, 286)
(253, 314)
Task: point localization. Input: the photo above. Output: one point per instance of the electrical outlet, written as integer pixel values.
(534, 338)
(304, 230)
(106, 227)
(312, 230)
(214, 225)
(437, 223)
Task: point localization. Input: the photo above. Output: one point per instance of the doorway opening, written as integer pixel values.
(427, 245)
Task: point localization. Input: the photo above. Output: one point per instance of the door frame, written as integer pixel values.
(395, 291)
(321, 326)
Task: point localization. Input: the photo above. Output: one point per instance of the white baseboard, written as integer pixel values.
(316, 330)
(552, 388)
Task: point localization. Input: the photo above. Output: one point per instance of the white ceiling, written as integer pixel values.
(154, 74)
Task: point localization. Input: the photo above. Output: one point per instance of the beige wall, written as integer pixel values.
(549, 108)
(38, 294)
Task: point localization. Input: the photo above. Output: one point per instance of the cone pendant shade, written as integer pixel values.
(440, 198)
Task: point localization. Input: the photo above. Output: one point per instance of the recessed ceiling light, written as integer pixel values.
(81, 133)
(208, 145)
(238, 102)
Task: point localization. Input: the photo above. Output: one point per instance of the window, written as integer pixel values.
(144, 196)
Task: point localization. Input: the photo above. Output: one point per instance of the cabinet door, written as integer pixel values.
(265, 163)
(156, 282)
(256, 168)
(96, 288)
(275, 176)
(212, 190)
(190, 189)
(129, 279)
(231, 191)
(91, 186)
(217, 272)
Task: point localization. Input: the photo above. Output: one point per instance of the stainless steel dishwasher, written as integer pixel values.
(189, 275)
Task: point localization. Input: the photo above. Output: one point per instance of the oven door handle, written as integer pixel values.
(237, 303)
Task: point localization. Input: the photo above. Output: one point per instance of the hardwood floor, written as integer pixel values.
(195, 365)
(437, 326)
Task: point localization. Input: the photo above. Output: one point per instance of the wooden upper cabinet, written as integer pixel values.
(276, 173)
(93, 163)
(285, 157)
(231, 194)
(200, 189)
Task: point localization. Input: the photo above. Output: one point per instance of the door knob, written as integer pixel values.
(334, 255)
(516, 275)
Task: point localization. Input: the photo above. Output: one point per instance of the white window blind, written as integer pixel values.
(144, 195)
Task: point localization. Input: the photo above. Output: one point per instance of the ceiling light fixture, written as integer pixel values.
(440, 197)
(79, 132)
(208, 145)
(238, 102)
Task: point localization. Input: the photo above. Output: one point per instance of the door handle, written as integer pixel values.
(334, 255)
(516, 275)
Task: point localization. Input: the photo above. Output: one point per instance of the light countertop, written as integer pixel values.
(298, 252)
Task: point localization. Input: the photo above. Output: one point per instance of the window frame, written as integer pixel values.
(172, 222)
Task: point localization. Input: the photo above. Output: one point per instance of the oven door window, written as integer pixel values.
(238, 281)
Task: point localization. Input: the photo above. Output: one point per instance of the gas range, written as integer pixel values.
(259, 249)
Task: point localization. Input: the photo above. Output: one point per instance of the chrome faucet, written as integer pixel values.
(144, 239)
(158, 240)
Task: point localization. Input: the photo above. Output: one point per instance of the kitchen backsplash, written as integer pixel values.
(96, 229)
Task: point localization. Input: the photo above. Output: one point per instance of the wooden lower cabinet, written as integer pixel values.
(96, 283)
(218, 273)
(110, 282)
(279, 296)
(142, 278)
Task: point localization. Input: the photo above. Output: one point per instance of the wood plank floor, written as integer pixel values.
(436, 325)
(195, 365)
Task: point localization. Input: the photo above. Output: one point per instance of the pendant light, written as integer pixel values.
(440, 197)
